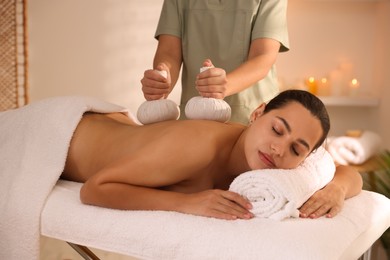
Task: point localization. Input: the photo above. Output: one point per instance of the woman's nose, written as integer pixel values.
(277, 148)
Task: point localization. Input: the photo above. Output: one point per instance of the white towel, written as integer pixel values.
(354, 150)
(34, 144)
(278, 193)
(165, 235)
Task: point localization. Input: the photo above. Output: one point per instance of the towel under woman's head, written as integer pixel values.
(278, 193)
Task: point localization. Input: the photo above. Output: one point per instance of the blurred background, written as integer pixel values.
(101, 48)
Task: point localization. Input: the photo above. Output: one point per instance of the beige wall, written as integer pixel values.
(326, 34)
(91, 47)
(382, 74)
(101, 48)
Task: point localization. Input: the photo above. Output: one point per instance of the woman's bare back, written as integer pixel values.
(103, 139)
(95, 143)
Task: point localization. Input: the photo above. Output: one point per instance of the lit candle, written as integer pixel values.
(354, 87)
(324, 88)
(311, 84)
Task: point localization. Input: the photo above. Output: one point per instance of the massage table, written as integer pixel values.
(171, 235)
(34, 201)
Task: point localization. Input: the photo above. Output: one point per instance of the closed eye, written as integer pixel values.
(276, 131)
(294, 150)
(288, 128)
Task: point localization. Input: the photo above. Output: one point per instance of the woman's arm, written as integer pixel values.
(210, 203)
(151, 178)
(329, 201)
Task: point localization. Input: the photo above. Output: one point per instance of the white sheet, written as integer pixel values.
(34, 143)
(172, 235)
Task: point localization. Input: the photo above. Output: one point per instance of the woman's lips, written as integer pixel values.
(267, 160)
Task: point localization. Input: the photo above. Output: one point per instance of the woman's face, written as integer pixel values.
(282, 138)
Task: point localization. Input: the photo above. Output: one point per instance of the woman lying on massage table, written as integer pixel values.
(187, 166)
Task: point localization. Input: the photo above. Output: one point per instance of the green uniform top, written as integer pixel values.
(222, 30)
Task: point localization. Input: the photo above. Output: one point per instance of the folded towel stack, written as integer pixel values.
(278, 193)
(354, 150)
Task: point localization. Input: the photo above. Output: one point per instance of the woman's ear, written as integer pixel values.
(257, 112)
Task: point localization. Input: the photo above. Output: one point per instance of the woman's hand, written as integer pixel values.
(212, 82)
(347, 182)
(328, 201)
(217, 204)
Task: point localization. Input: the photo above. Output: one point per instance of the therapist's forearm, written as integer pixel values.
(169, 52)
(247, 74)
(261, 57)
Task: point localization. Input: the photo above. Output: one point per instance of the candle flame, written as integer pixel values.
(354, 83)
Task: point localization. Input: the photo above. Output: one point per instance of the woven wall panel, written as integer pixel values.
(13, 54)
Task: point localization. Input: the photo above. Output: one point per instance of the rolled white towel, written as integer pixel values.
(278, 193)
(354, 150)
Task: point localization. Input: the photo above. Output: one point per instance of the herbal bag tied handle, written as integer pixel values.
(207, 108)
(158, 110)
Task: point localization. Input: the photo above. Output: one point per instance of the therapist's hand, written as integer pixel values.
(154, 85)
(212, 82)
(328, 201)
